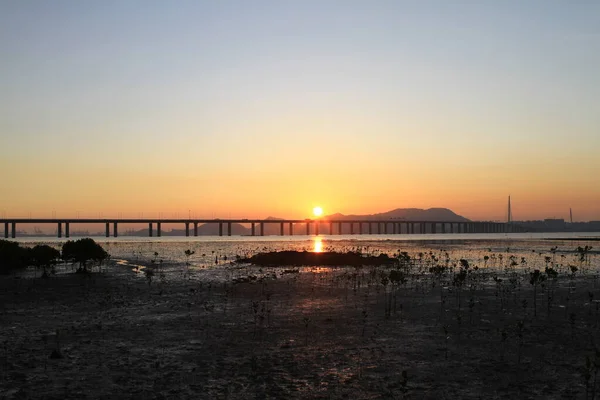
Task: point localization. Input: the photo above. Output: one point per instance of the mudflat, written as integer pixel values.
(306, 332)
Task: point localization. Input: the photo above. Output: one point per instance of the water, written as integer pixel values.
(213, 255)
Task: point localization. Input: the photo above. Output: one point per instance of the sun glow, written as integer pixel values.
(317, 211)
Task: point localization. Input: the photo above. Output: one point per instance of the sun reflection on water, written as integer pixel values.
(318, 245)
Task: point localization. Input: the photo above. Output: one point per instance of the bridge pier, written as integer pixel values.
(360, 228)
(220, 229)
(150, 233)
(434, 227)
(195, 229)
(67, 230)
(158, 231)
(443, 227)
(6, 230)
(370, 228)
(58, 230)
(229, 229)
(252, 228)
(13, 232)
(352, 228)
(317, 228)
(308, 229)
(291, 229)
(394, 228)
(262, 229)
(115, 230)
(339, 228)
(107, 233)
(187, 229)
(331, 228)
(281, 229)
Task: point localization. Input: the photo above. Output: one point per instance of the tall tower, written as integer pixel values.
(509, 211)
(571, 214)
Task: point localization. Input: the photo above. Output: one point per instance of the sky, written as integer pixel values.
(260, 108)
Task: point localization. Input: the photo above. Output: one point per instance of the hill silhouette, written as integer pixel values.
(406, 214)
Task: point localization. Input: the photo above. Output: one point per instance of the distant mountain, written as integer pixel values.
(406, 214)
(203, 230)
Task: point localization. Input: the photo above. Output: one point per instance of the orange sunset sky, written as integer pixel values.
(256, 109)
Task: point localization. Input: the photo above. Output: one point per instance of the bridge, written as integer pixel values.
(257, 226)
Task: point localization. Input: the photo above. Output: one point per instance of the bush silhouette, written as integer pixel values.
(83, 251)
(44, 256)
(12, 256)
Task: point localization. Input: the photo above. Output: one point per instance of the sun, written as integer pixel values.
(317, 211)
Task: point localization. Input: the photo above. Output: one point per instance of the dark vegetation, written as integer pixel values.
(84, 252)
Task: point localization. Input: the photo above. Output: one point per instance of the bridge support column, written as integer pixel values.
(67, 230)
(150, 233)
(434, 227)
(360, 231)
(13, 232)
(291, 229)
(220, 229)
(385, 226)
(116, 230)
(307, 228)
(107, 233)
(195, 229)
(262, 229)
(58, 230)
(252, 228)
(394, 228)
(187, 229)
(317, 228)
(281, 229)
(158, 231)
(331, 228)
(229, 229)
(352, 228)
(443, 227)
(6, 230)
(339, 228)
(370, 228)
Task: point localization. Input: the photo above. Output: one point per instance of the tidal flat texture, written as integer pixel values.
(439, 324)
